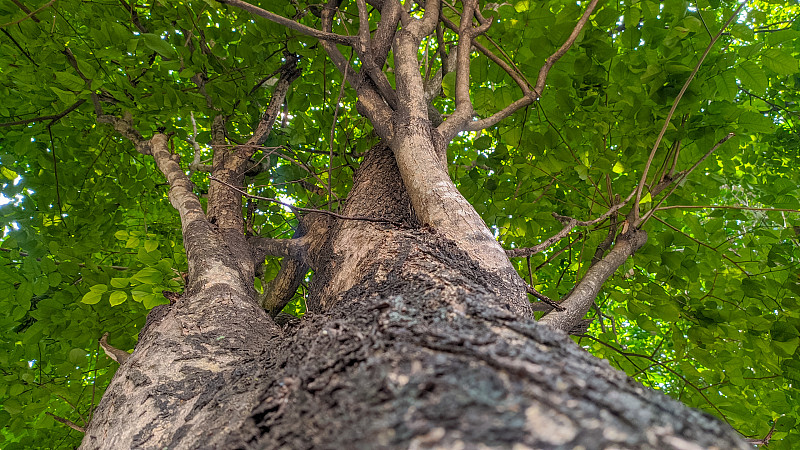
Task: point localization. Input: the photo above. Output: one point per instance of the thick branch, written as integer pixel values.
(464, 109)
(367, 56)
(231, 165)
(577, 304)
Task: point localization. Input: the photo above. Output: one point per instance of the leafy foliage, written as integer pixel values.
(707, 311)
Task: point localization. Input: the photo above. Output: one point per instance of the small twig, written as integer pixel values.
(31, 14)
(23, 254)
(716, 250)
(765, 440)
(67, 422)
(53, 118)
(296, 209)
(569, 225)
(746, 208)
(543, 298)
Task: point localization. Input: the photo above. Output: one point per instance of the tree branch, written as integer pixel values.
(52, 118)
(291, 24)
(297, 209)
(580, 300)
(370, 102)
(677, 181)
(29, 15)
(538, 89)
(569, 225)
(674, 107)
(66, 422)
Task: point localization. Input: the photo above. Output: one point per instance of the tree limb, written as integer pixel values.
(580, 300)
(538, 89)
(657, 143)
(291, 24)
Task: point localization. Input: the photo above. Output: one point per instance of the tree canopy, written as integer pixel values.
(686, 112)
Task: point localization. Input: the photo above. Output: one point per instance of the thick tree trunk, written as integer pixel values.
(407, 345)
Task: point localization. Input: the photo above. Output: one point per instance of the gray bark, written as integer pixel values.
(408, 345)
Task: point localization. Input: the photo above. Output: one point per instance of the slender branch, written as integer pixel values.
(134, 16)
(291, 24)
(25, 8)
(569, 225)
(675, 106)
(531, 290)
(52, 118)
(66, 422)
(538, 89)
(746, 208)
(514, 74)
(716, 250)
(296, 209)
(677, 182)
(29, 15)
(23, 254)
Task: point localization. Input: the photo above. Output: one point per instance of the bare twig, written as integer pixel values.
(67, 422)
(52, 118)
(531, 290)
(677, 182)
(297, 209)
(569, 225)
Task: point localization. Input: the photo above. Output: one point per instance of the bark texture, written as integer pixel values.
(408, 345)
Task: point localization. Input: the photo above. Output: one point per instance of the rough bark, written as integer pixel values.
(410, 348)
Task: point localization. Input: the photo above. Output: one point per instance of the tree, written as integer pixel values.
(421, 171)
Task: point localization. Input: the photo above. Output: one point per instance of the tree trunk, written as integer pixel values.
(409, 343)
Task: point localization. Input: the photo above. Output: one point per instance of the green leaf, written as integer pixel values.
(70, 81)
(148, 275)
(119, 283)
(780, 61)
(95, 294)
(117, 298)
(159, 45)
(752, 77)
